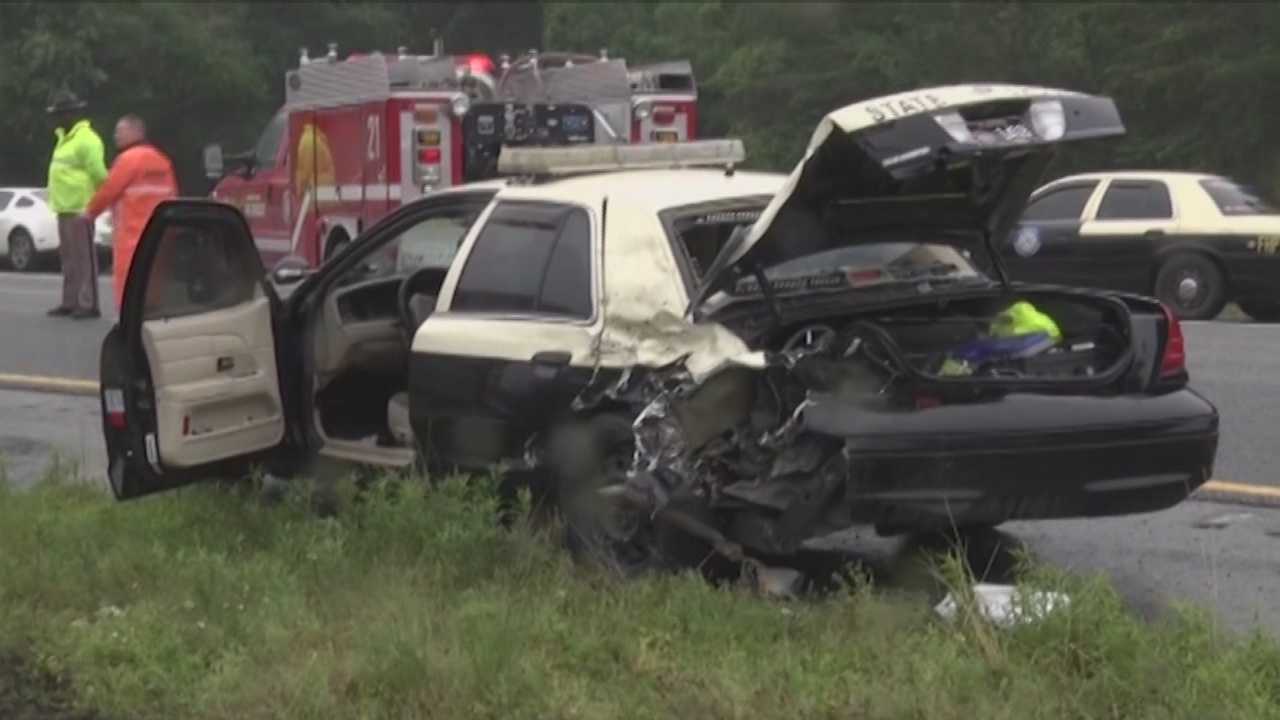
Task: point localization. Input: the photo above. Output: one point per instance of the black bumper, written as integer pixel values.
(1023, 457)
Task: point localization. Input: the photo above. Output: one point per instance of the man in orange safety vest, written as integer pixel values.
(140, 179)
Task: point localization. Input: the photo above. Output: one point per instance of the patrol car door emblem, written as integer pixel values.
(1027, 242)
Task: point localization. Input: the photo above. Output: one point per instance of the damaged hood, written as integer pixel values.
(945, 164)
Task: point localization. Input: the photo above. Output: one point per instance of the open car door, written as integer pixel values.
(189, 382)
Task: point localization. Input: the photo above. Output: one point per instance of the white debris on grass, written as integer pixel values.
(1006, 605)
(779, 582)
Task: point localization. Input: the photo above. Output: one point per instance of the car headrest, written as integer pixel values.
(420, 308)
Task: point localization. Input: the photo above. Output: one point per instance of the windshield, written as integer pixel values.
(864, 264)
(701, 233)
(1235, 199)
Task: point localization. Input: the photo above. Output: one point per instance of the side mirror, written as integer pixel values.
(213, 164)
(290, 271)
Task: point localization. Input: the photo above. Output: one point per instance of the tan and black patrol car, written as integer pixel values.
(1195, 241)
(748, 361)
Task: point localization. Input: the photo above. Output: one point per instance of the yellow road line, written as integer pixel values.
(1246, 489)
(45, 383)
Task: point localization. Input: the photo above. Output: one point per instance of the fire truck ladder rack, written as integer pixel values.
(608, 85)
(366, 78)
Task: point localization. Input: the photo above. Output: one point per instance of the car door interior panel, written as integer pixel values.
(217, 390)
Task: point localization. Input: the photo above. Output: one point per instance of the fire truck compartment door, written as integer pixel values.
(198, 323)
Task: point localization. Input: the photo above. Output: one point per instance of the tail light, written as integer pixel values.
(113, 399)
(1174, 360)
(429, 156)
(664, 115)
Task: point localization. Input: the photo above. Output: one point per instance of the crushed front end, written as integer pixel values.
(866, 420)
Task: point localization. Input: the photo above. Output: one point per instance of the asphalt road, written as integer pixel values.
(1214, 555)
(35, 344)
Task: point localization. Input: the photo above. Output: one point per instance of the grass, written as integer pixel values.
(203, 603)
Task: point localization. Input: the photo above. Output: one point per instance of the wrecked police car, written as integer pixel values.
(685, 360)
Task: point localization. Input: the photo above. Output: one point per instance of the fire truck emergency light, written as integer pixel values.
(599, 158)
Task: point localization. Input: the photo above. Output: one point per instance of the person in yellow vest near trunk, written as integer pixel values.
(76, 170)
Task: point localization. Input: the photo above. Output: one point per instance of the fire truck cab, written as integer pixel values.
(359, 136)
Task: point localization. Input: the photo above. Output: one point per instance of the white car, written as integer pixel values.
(682, 360)
(29, 230)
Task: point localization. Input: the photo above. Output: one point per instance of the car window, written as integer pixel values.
(200, 266)
(432, 241)
(1235, 199)
(699, 232)
(566, 287)
(269, 143)
(5, 197)
(529, 258)
(1066, 203)
(25, 202)
(1136, 201)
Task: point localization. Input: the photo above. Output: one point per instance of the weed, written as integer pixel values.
(415, 602)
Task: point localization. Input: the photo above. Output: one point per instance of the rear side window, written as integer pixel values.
(530, 258)
(25, 202)
(5, 198)
(1065, 203)
(1235, 199)
(1136, 201)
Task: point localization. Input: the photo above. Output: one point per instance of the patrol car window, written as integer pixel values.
(1136, 201)
(529, 258)
(5, 197)
(269, 143)
(1234, 199)
(25, 202)
(566, 288)
(1061, 204)
(200, 266)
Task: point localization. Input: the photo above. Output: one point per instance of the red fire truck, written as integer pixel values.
(358, 136)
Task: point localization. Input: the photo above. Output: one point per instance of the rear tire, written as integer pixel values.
(584, 457)
(22, 251)
(1261, 310)
(1192, 286)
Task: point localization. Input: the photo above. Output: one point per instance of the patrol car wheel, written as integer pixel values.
(591, 455)
(582, 458)
(22, 251)
(1192, 286)
(1261, 310)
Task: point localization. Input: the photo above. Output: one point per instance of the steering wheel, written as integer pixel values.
(416, 299)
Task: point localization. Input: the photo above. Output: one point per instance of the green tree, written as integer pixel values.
(200, 72)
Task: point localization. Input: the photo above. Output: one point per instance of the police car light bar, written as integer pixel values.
(601, 158)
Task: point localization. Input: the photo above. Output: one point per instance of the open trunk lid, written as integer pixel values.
(948, 164)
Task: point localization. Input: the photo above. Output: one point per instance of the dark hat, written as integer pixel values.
(64, 101)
